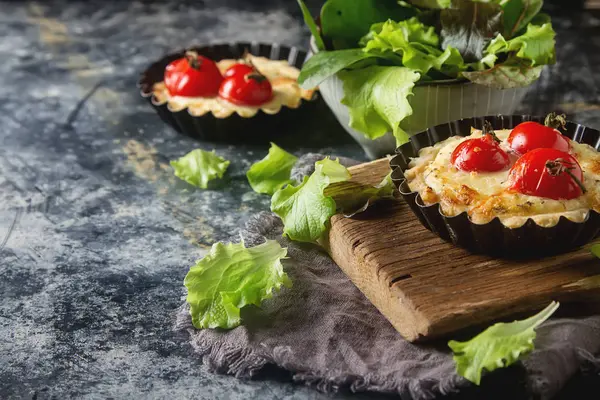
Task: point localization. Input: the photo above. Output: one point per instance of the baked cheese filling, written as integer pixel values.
(485, 195)
(282, 76)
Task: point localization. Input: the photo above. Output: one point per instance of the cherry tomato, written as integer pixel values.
(238, 69)
(480, 155)
(549, 173)
(193, 76)
(251, 89)
(531, 135)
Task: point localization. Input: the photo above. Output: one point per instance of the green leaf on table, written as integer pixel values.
(199, 167)
(272, 172)
(468, 26)
(377, 99)
(499, 346)
(513, 73)
(416, 44)
(312, 26)
(328, 63)
(304, 209)
(352, 198)
(345, 22)
(231, 277)
(596, 250)
(535, 45)
(519, 13)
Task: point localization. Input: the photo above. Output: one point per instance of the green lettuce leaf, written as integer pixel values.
(230, 277)
(519, 13)
(327, 63)
(312, 26)
(488, 61)
(377, 99)
(535, 45)
(346, 22)
(396, 35)
(512, 73)
(198, 167)
(304, 209)
(272, 172)
(596, 250)
(416, 44)
(498, 346)
(468, 26)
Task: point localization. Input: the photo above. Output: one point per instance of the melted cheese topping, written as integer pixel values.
(484, 196)
(282, 76)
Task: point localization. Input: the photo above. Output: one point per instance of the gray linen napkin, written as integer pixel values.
(327, 334)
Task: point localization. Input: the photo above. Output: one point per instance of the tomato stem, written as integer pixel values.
(256, 74)
(558, 166)
(193, 59)
(488, 130)
(555, 121)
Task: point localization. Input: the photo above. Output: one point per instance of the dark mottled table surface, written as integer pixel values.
(96, 234)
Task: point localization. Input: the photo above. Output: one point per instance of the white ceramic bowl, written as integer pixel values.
(432, 104)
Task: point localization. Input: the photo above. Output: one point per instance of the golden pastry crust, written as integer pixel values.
(484, 196)
(282, 76)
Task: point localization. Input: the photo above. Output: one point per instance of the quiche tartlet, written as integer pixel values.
(514, 204)
(238, 92)
(281, 75)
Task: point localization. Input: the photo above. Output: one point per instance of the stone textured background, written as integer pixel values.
(96, 234)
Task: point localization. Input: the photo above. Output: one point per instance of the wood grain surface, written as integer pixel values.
(427, 287)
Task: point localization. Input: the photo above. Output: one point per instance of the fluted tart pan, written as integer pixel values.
(261, 127)
(494, 238)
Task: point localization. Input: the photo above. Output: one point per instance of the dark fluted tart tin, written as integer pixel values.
(261, 127)
(493, 238)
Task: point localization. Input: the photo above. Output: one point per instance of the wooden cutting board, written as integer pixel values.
(428, 288)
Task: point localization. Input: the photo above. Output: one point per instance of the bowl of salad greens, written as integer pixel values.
(389, 69)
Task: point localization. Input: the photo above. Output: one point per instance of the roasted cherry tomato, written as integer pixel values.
(481, 154)
(549, 173)
(252, 89)
(193, 76)
(532, 135)
(238, 69)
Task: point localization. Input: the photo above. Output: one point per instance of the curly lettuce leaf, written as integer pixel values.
(304, 209)
(377, 99)
(312, 26)
(199, 167)
(595, 249)
(272, 172)
(513, 73)
(396, 35)
(346, 22)
(231, 277)
(519, 13)
(498, 346)
(535, 45)
(488, 61)
(468, 26)
(416, 44)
